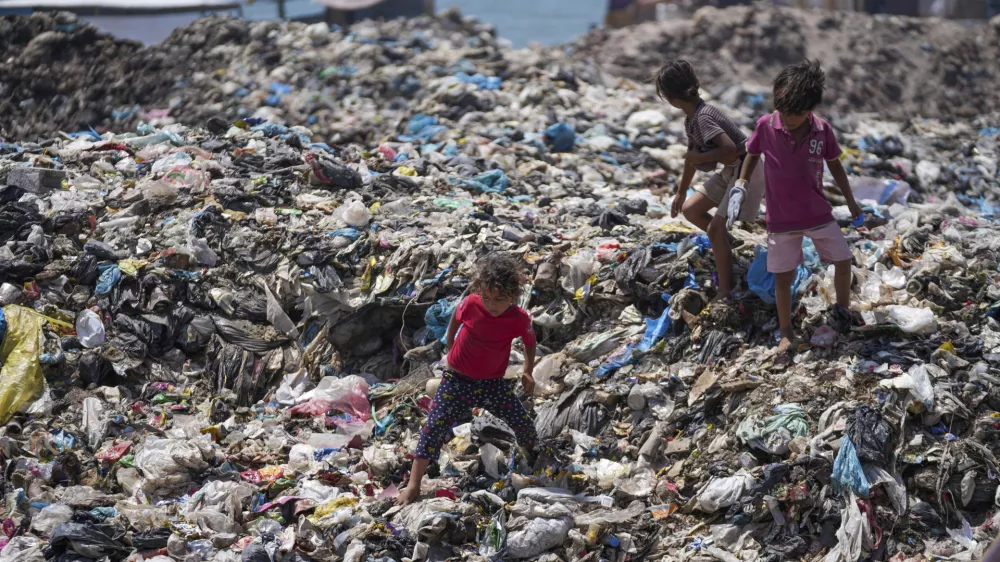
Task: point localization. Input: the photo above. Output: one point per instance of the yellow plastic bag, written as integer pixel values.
(21, 380)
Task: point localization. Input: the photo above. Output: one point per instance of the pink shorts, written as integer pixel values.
(784, 250)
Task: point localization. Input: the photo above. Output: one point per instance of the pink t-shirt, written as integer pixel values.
(482, 346)
(793, 172)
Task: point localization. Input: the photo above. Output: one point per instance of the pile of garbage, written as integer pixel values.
(896, 67)
(220, 338)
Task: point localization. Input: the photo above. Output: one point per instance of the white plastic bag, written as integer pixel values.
(913, 320)
(724, 492)
(89, 329)
(354, 213)
(923, 388)
(50, 517)
(93, 424)
(537, 537)
(545, 373)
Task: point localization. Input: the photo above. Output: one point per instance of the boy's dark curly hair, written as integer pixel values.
(677, 80)
(500, 273)
(799, 88)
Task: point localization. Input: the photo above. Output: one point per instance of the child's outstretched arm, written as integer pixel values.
(840, 178)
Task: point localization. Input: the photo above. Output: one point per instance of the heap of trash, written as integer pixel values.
(221, 331)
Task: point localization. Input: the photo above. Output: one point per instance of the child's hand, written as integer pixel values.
(675, 209)
(528, 382)
(855, 210)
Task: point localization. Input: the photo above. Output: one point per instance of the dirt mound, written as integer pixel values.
(898, 67)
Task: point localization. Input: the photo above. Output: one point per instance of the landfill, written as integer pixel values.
(224, 310)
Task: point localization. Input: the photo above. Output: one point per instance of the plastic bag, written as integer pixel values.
(167, 463)
(872, 435)
(438, 316)
(354, 213)
(545, 373)
(724, 492)
(848, 475)
(582, 265)
(608, 251)
(85, 540)
(348, 394)
(852, 534)
(762, 283)
(656, 328)
(51, 517)
(21, 380)
(923, 388)
(344, 434)
(537, 537)
(913, 320)
(22, 549)
(560, 137)
(89, 329)
(606, 472)
(93, 410)
(277, 316)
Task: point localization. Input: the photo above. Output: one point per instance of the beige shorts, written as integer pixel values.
(717, 187)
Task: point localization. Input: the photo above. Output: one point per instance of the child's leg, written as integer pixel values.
(498, 397)
(452, 403)
(696, 210)
(784, 255)
(842, 282)
(831, 245)
(783, 296)
(719, 237)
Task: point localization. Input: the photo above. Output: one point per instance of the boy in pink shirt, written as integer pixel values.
(795, 144)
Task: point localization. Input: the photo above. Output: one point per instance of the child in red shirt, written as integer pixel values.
(477, 360)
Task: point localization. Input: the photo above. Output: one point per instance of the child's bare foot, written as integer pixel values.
(784, 345)
(408, 495)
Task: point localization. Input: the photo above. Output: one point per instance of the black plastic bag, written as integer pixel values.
(627, 272)
(609, 219)
(85, 539)
(151, 540)
(872, 436)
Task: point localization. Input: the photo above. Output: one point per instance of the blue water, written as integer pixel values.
(549, 22)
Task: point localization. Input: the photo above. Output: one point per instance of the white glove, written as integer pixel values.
(736, 196)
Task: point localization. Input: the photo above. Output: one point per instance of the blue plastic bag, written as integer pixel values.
(656, 328)
(761, 281)
(480, 81)
(848, 474)
(438, 316)
(560, 137)
(109, 278)
(617, 361)
(422, 128)
(3, 326)
(493, 181)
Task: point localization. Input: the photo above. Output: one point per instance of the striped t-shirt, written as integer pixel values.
(707, 123)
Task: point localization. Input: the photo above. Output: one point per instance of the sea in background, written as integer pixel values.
(549, 22)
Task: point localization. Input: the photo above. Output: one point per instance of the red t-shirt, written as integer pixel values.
(482, 346)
